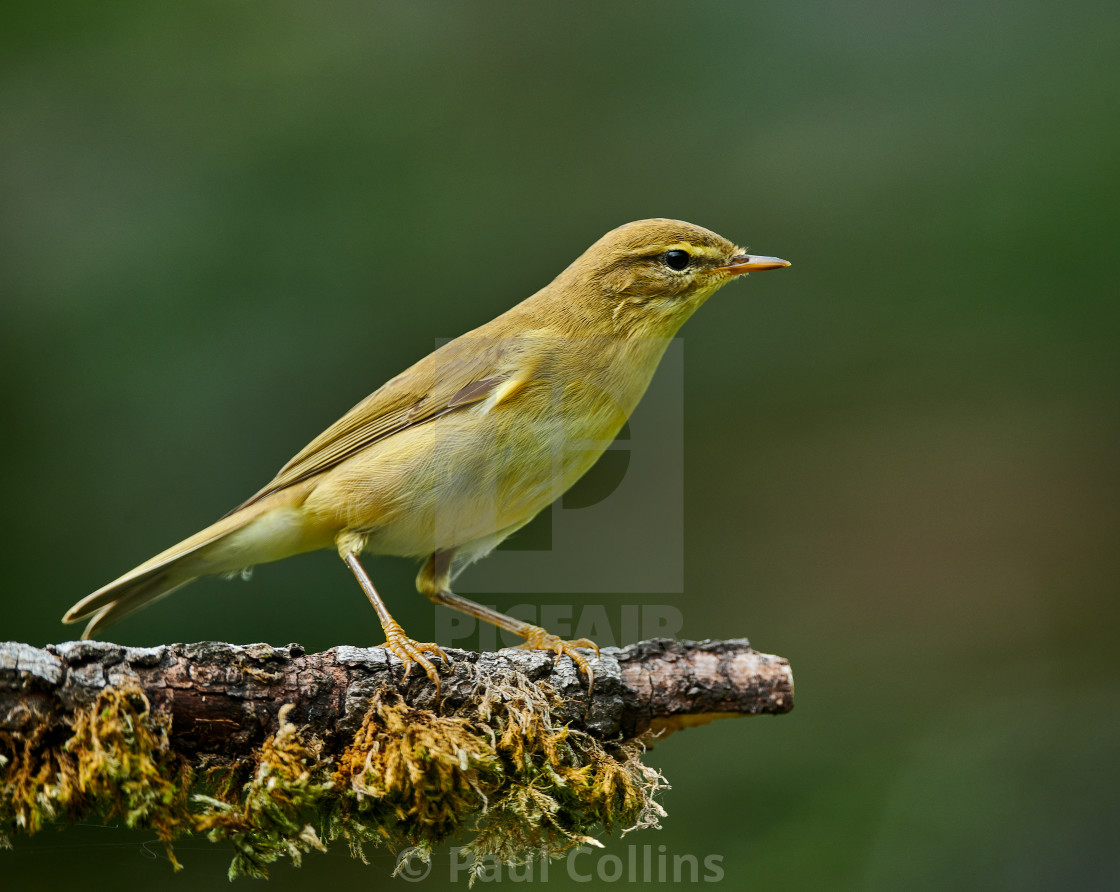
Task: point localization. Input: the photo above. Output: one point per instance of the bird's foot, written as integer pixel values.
(410, 652)
(538, 639)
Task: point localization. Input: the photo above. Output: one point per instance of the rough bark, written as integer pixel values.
(225, 699)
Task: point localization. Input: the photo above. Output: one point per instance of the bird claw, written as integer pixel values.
(412, 652)
(539, 639)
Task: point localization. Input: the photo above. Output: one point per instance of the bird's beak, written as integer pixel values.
(749, 263)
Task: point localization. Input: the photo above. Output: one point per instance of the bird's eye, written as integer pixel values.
(676, 259)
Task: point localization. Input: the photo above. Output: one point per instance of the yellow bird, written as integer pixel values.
(465, 447)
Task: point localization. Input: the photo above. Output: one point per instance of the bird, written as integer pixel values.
(459, 451)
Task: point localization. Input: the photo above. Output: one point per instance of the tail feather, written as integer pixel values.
(140, 594)
(139, 587)
(211, 551)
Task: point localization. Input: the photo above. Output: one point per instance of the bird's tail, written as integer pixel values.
(264, 531)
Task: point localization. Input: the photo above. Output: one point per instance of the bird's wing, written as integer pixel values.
(461, 373)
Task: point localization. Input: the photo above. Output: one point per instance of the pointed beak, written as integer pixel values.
(749, 263)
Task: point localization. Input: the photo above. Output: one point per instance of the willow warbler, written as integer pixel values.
(465, 447)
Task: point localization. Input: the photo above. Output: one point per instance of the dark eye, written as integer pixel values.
(677, 259)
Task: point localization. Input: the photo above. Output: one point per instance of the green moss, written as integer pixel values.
(275, 813)
(498, 771)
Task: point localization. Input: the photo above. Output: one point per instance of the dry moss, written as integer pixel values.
(117, 761)
(498, 771)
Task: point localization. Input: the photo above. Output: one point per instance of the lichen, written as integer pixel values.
(499, 770)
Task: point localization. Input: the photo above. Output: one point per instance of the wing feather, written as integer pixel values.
(461, 373)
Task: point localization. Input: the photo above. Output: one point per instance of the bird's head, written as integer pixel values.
(653, 274)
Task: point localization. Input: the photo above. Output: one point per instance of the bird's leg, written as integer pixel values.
(434, 582)
(349, 547)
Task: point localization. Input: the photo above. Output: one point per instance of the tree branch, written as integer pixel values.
(226, 698)
(278, 750)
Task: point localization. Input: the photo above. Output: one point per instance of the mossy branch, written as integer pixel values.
(278, 750)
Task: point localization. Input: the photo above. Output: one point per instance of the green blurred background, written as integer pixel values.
(223, 224)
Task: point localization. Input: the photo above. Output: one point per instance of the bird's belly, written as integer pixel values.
(456, 480)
